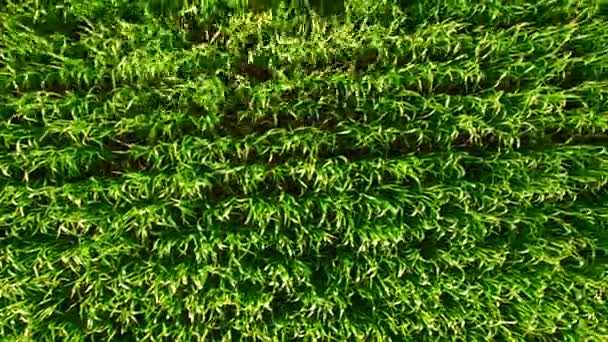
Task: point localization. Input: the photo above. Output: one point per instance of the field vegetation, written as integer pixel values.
(378, 170)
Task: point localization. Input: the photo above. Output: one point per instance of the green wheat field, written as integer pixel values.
(377, 170)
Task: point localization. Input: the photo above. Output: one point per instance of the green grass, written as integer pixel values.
(405, 170)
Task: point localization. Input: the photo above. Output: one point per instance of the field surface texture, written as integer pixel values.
(413, 170)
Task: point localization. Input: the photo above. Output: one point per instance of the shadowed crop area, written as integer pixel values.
(382, 170)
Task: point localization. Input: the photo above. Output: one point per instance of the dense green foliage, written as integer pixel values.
(413, 170)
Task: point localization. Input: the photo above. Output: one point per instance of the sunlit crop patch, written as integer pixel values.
(382, 170)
